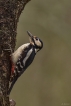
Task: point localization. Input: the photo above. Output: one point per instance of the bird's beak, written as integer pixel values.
(31, 37)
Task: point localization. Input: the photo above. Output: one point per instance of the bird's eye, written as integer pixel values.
(36, 38)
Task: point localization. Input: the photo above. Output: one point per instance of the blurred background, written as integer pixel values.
(47, 81)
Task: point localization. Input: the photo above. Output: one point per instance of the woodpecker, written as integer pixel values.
(23, 57)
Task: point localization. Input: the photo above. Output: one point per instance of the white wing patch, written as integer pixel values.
(27, 56)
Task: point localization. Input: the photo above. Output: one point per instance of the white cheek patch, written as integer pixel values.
(38, 43)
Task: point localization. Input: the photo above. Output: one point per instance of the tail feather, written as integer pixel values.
(11, 85)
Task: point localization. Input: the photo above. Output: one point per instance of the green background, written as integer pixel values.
(47, 81)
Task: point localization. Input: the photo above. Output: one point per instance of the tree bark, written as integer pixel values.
(10, 11)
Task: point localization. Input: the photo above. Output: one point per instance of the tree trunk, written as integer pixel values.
(10, 11)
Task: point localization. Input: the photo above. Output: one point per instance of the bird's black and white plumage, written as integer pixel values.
(23, 57)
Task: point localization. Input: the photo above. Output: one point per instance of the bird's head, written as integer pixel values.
(35, 41)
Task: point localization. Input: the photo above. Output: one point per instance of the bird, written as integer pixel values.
(23, 57)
